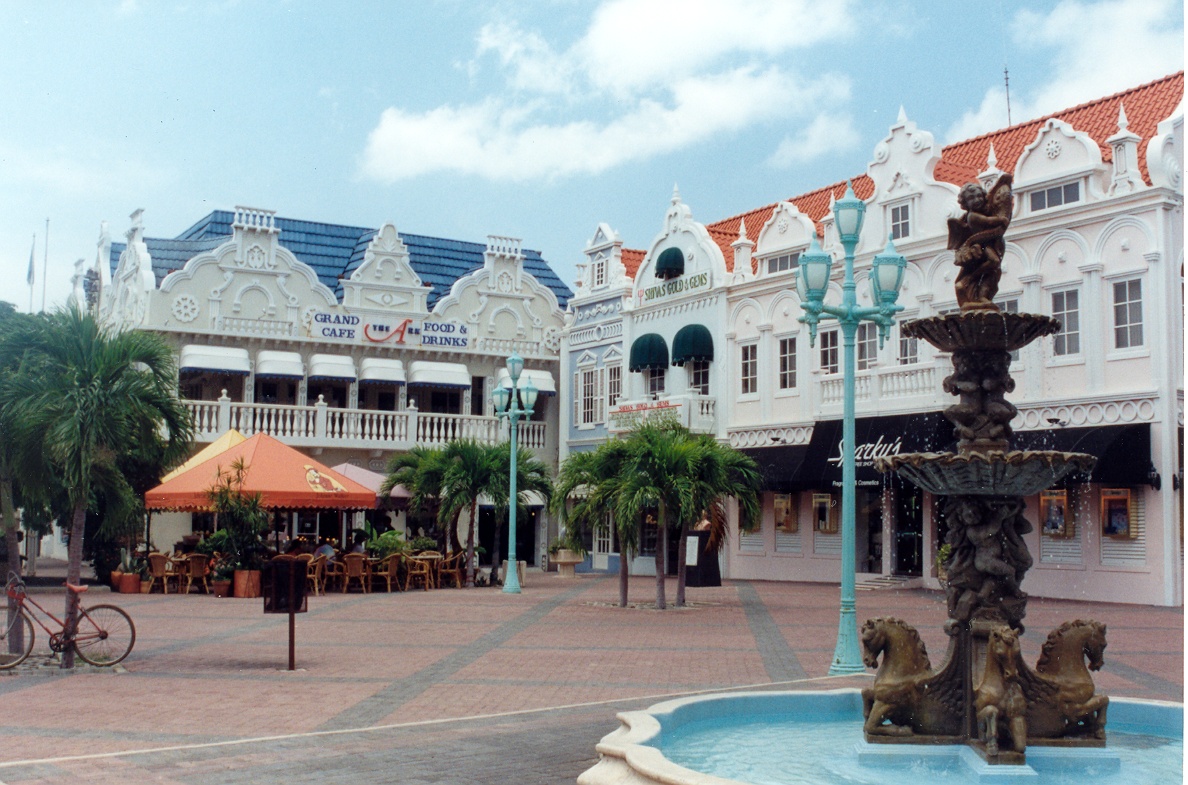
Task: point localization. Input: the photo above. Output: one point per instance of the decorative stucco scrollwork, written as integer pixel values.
(185, 308)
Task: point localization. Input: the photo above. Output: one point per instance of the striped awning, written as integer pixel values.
(380, 370)
(221, 359)
(692, 342)
(279, 365)
(648, 352)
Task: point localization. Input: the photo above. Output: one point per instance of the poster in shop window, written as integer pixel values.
(1054, 514)
(1115, 513)
(824, 513)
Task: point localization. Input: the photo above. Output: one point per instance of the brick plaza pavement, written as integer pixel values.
(470, 686)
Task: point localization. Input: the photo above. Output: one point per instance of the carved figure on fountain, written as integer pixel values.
(907, 698)
(999, 696)
(982, 417)
(989, 558)
(977, 240)
(1062, 702)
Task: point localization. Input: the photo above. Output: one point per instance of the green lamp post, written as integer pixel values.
(886, 277)
(513, 403)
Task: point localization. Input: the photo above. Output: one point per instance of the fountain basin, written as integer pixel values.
(985, 330)
(815, 738)
(994, 473)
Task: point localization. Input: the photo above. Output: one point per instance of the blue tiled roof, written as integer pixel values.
(335, 251)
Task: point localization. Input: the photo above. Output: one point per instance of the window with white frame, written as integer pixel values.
(1128, 314)
(829, 354)
(614, 384)
(867, 344)
(655, 377)
(787, 363)
(783, 262)
(1066, 306)
(1010, 306)
(900, 221)
(1055, 196)
(749, 368)
(599, 273)
(909, 349)
(592, 407)
(699, 376)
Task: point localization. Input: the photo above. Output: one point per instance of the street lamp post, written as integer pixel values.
(885, 278)
(513, 403)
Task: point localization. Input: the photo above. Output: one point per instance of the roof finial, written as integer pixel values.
(676, 194)
(742, 228)
(991, 159)
(1123, 123)
(902, 116)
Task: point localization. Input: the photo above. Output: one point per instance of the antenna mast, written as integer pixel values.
(1006, 77)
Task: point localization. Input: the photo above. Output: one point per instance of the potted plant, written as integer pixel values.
(567, 552)
(245, 522)
(222, 579)
(129, 573)
(423, 543)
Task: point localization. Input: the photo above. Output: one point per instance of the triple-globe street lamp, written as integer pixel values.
(885, 279)
(513, 402)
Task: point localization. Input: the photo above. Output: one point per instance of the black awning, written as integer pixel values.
(1123, 452)
(670, 263)
(648, 352)
(779, 466)
(692, 342)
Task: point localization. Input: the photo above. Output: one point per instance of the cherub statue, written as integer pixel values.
(977, 240)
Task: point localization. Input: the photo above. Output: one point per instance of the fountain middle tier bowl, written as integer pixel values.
(981, 330)
(994, 473)
(815, 738)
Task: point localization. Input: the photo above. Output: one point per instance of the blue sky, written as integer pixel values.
(536, 118)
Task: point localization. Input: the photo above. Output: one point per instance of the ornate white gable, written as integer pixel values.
(385, 283)
(603, 267)
(1165, 152)
(1059, 153)
(788, 229)
(704, 265)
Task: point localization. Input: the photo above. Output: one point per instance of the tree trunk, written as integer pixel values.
(682, 547)
(623, 571)
(16, 641)
(661, 557)
(74, 576)
(470, 544)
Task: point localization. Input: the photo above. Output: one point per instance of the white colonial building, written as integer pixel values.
(703, 324)
(347, 342)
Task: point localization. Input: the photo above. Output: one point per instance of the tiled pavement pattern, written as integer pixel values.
(461, 686)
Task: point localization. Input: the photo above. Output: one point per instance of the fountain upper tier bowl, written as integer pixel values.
(984, 330)
(994, 473)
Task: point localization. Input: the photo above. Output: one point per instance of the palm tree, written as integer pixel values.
(421, 471)
(472, 471)
(720, 472)
(86, 395)
(587, 486)
(533, 476)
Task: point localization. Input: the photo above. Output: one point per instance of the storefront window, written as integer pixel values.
(829, 355)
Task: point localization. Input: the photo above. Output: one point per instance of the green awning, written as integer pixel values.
(692, 342)
(671, 263)
(648, 352)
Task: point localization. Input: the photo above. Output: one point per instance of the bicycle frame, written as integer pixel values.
(24, 601)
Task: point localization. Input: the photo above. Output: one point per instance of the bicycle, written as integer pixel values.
(103, 636)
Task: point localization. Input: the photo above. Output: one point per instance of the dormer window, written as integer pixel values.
(783, 262)
(599, 272)
(1055, 196)
(900, 221)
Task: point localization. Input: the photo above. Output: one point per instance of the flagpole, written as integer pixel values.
(30, 275)
(45, 266)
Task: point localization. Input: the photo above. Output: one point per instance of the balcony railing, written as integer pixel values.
(319, 425)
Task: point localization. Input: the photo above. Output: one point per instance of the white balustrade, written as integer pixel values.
(283, 422)
(366, 426)
(435, 429)
(907, 381)
(264, 327)
(205, 415)
(531, 435)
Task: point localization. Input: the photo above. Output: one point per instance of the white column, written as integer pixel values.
(1094, 332)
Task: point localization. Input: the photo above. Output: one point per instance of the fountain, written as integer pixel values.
(981, 714)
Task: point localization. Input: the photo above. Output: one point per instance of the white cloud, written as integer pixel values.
(1096, 49)
(827, 134)
(659, 67)
(501, 141)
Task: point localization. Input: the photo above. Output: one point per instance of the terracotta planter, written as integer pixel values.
(566, 560)
(129, 583)
(115, 579)
(146, 587)
(221, 588)
(247, 583)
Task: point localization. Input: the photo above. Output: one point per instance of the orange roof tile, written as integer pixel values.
(960, 163)
(632, 259)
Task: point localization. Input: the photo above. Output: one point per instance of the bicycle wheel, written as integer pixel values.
(23, 628)
(105, 635)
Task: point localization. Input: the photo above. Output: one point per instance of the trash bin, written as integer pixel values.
(283, 585)
(701, 565)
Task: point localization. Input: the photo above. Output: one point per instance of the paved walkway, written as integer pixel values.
(455, 685)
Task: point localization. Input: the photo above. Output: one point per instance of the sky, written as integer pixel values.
(535, 119)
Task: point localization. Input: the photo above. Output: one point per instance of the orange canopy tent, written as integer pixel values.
(285, 479)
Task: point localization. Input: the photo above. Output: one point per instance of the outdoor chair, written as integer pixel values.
(388, 570)
(418, 570)
(433, 559)
(453, 570)
(354, 568)
(195, 571)
(159, 570)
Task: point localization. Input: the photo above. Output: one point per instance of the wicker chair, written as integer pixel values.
(196, 570)
(159, 565)
(417, 570)
(453, 570)
(354, 567)
(389, 571)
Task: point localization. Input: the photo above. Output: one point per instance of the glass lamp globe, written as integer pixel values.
(886, 275)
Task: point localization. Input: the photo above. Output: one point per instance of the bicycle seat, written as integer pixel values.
(77, 589)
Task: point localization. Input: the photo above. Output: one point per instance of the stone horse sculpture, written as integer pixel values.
(1061, 699)
(999, 694)
(907, 697)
